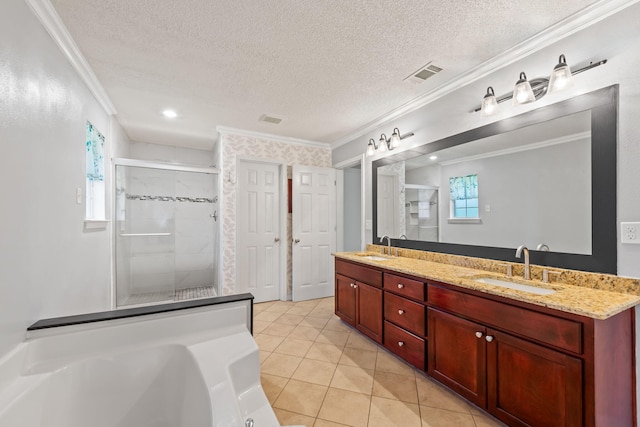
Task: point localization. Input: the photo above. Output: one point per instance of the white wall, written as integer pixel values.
(352, 209)
(49, 265)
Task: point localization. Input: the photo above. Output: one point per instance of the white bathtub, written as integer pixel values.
(192, 368)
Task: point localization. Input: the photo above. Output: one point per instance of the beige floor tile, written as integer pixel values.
(353, 379)
(434, 395)
(323, 314)
(267, 342)
(264, 355)
(395, 387)
(260, 307)
(434, 417)
(314, 322)
(301, 311)
(315, 371)
(282, 365)
(475, 410)
(311, 304)
(388, 362)
(272, 386)
(361, 358)
(301, 398)
(304, 333)
(278, 329)
(290, 418)
(393, 413)
(290, 319)
(279, 307)
(337, 325)
(332, 337)
(259, 326)
(325, 423)
(267, 316)
(357, 340)
(293, 347)
(345, 407)
(487, 421)
(324, 352)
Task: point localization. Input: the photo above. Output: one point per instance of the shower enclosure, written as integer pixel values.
(166, 232)
(421, 213)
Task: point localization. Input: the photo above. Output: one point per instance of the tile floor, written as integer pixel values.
(317, 371)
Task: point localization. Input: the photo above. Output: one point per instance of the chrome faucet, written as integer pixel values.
(527, 267)
(403, 237)
(388, 243)
(542, 247)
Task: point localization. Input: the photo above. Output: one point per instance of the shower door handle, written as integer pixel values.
(214, 215)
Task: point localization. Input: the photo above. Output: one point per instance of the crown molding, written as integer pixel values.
(566, 27)
(223, 130)
(50, 20)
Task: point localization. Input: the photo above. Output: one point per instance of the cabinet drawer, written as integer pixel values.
(555, 331)
(406, 345)
(406, 287)
(403, 312)
(359, 272)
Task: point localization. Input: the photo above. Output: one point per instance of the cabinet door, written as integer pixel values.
(369, 311)
(346, 299)
(530, 385)
(457, 355)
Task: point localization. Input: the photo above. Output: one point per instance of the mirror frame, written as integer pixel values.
(603, 104)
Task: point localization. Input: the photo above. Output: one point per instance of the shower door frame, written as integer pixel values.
(176, 167)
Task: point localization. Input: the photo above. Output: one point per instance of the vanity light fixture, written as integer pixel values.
(527, 91)
(386, 144)
(489, 102)
(522, 92)
(560, 76)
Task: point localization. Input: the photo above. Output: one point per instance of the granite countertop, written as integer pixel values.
(594, 303)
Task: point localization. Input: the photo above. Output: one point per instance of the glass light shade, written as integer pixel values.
(561, 76)
(395, 138)
(489, 103)
(523, 93)
(371, 147)
(382, 144)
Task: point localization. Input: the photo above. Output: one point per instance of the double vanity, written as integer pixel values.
(558, 352)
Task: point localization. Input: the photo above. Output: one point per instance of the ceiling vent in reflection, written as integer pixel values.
(423, 73)
(270, 118)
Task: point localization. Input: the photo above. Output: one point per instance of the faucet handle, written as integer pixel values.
(509, 268)
(546, 273)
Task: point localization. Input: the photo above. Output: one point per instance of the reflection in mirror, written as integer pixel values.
(533, 188)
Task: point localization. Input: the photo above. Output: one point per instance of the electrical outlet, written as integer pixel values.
(630, 232)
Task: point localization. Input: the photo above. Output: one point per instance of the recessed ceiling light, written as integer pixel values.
(433, 158)
(170, 114)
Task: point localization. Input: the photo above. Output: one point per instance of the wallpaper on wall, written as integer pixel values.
(234, 145)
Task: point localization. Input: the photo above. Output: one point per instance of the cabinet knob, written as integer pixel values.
(400, 343)
(352, 285)
(489, 338)
(355, 286)
(479, 334)
(401, 312)
(400, 286)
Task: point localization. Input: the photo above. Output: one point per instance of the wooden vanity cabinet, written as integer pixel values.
(358, 298)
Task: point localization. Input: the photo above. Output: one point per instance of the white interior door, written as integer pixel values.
(313, 232)
(387, 206)
(258, 229)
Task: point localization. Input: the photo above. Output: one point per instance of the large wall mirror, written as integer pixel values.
(545, 179)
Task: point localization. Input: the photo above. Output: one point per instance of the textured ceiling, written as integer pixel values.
(329, 67)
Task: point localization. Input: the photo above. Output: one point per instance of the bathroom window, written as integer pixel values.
(95, 185)
(464, 197)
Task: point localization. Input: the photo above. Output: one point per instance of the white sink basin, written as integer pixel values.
(374, 258)
(516, 286)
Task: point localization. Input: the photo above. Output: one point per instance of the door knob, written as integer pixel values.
(296, 240)
(277, 239)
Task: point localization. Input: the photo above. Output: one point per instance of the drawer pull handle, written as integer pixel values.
(400, 343)
(489, 338)
(400, 312)
(400, 286)
(479, 334)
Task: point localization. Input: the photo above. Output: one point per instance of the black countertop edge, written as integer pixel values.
(102, 316)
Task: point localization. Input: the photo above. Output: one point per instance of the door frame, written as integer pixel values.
(284, 197)
(340, 166)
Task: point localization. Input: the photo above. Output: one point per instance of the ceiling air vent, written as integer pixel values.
(274, 120)
(423, 73)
